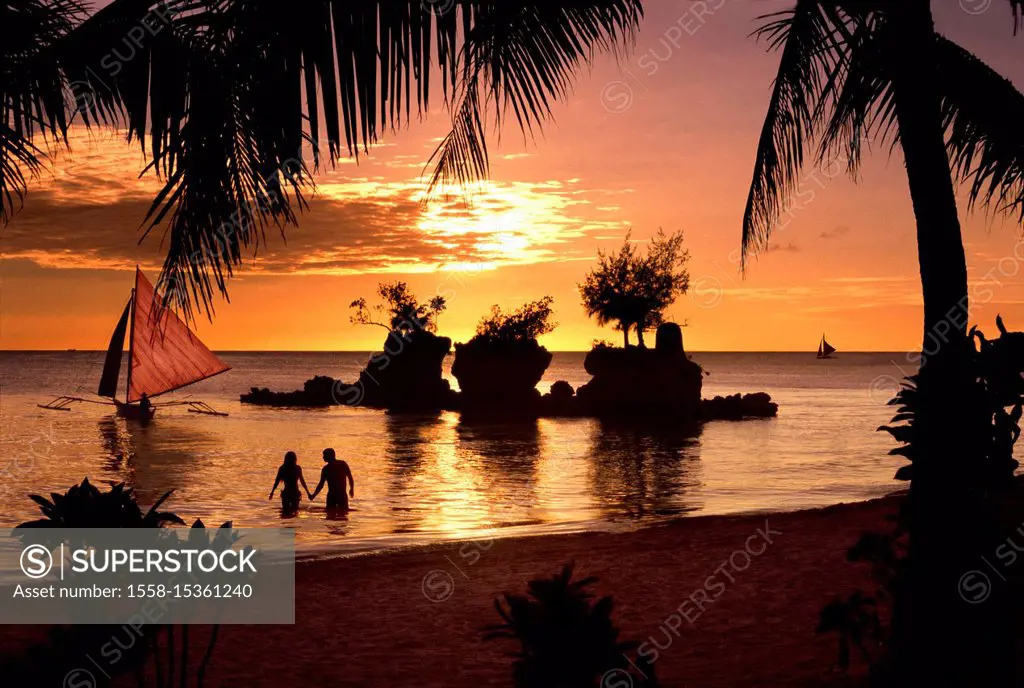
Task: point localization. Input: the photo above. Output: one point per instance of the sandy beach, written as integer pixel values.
(414, 618)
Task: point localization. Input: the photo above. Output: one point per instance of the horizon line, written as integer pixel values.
(554, 351)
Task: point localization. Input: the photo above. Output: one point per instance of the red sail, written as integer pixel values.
(165, 354)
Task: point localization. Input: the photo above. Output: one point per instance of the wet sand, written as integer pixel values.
(414, 618)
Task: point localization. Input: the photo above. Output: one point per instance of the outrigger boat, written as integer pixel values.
(825, 350)
(163, 356)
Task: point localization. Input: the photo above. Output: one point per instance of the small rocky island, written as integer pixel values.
(498, 370)
(501, 382)
(671, 389)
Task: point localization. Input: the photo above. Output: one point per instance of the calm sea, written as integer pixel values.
(430, 478)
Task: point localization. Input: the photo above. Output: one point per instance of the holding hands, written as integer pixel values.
(336, 476)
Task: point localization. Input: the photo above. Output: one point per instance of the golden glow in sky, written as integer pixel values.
(663, 139)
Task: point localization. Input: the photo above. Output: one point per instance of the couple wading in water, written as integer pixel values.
(335, 474)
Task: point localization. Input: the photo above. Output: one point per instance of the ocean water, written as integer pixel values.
(430, 478)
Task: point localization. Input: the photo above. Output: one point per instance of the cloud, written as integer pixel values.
(835, 233)
(791, 247)
(875, 279)
(87, 210)
(358, 226)
(832, 295)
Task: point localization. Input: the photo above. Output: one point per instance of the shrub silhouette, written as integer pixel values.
(85, 506)
(567, 640)
(994, 384)
(529, 321)
(66, 649)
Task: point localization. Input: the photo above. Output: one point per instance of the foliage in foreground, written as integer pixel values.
(225, 97)
(566, 639)
(86, 506)
(996, 385)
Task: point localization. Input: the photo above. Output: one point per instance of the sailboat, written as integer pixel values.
(825, 350)
(164, 356)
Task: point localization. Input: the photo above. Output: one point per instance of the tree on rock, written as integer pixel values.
(499, 368)
(634, 290)
(400, 311)
(529, 321)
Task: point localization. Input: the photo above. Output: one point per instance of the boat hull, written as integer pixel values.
(134, 412)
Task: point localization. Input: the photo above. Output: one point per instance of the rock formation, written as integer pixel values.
(319, 392)
(643, 382)
(560, 401)
(739, 407)
(405, 376)
(500, 378)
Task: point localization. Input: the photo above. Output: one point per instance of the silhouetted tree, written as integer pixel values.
(225, 95)
(634, 290)
(529, 321)
(851, 72)
(401, 311)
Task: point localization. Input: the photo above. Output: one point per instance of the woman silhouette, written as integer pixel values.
(290, 473)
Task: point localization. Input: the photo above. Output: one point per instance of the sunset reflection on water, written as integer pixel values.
(427, 478)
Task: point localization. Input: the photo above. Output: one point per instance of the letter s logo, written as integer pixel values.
(438, 586)
(36, 561)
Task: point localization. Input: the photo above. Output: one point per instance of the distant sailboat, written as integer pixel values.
(825, 350)
(164, 355)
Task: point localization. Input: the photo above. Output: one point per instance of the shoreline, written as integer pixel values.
(715, 601)
(317, 551)
(413, 617)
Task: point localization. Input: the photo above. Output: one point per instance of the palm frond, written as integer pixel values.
(462, 157)
(812, 54)
(233, 91)
(520, 58)
(983, 114)
(230, 173)
(31, 90)
(863, 107)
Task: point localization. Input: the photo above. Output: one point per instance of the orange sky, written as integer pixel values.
(665, 138)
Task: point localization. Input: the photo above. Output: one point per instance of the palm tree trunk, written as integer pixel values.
(625, 335)
(938, 639)
(640, 337)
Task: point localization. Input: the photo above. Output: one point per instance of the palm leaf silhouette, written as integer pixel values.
(226, 96)
(31, 90)
(833, 95)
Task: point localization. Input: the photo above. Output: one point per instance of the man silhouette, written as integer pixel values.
(145, 406)
(336, 474)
